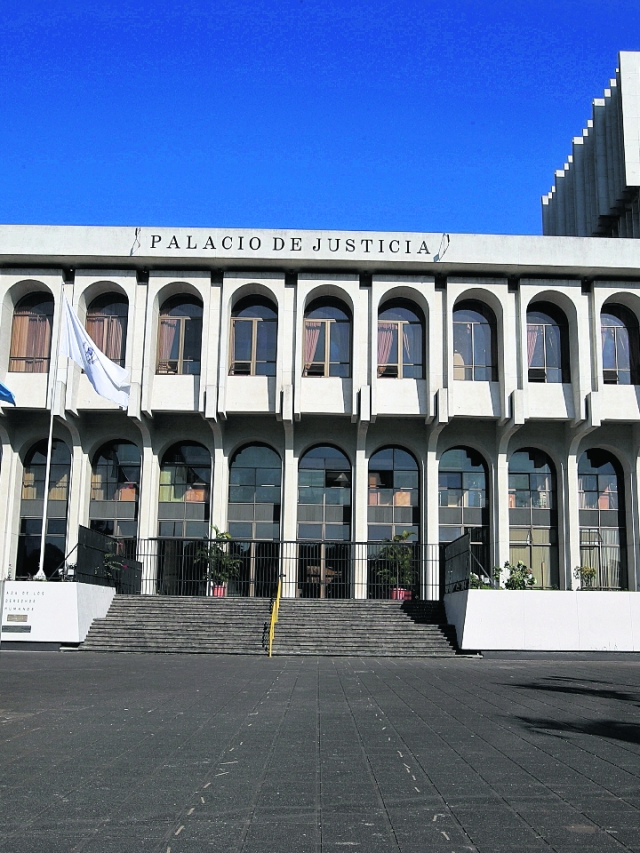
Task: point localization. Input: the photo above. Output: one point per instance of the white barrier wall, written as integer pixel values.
(42, 612)
(533, 620)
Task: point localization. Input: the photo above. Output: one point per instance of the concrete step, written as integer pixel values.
(199, 625)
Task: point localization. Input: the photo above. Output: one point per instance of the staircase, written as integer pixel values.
(173, 624)
(168, 624)
(363, 628)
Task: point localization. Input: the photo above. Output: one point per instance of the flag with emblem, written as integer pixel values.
(108, 378)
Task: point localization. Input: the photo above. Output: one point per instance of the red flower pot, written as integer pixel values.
(398, 593)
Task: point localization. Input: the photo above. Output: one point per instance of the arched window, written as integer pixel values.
(533, 517)
(185, 481)
(115, 483)
(33, 489)
(324, 520)
(255, 478)
(620, 346)
(400, 341)
(107, 325)
(180, 335)
(602, 518)
(394, 495)
(327, 339)
(463, 499)
(31, 334)
(254, 330)
(475, 355)
(547, 344)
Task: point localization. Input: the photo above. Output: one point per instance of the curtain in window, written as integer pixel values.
(168, 332)
(108, 335)
(311, 337)
(30, 342)
(533, 334)
(385, 342)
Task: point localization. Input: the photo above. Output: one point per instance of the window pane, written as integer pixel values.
(482, 344)
(535, 345)
(340, 342)
(243, 333)
(553, 346)
(266, 344)
(462, 343)
(608, 349)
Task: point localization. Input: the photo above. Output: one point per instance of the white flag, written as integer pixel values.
(109, 379)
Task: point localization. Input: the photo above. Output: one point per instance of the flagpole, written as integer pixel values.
(47, 471)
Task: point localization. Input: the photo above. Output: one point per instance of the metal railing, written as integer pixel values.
(322, 570)
(275, 611)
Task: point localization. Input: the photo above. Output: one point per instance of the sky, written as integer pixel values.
(401, 116)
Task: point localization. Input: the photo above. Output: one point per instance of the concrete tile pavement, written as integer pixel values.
(107, 752)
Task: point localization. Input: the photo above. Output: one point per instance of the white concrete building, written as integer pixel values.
(310, 390)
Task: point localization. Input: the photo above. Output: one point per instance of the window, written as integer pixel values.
(394, 496)
(602, 518)
(547, 344)
(185, 480)
(33, 489)
(474, 343)
(400, 341)
(327, 339)
(31, 334)
(107, 325)
(463, 499)
(254, 328)
(324, 495)
(620, 345)
(115, 483)
(180, 336)
(533, 530)
(255, 478)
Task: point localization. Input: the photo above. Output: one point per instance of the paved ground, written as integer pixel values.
(120, 753)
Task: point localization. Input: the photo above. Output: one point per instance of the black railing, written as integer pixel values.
(323, 570)
(463, 563)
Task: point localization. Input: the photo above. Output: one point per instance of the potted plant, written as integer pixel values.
(394, 565)
(220, 565)
(520, 575)
(586, 575)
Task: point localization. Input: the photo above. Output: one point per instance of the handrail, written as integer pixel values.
(274, 615)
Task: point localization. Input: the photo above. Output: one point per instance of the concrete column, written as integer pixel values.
(289, 516)
(359, 502)
(10, 499)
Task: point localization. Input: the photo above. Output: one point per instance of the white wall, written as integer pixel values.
(530, 620)
(52, 612)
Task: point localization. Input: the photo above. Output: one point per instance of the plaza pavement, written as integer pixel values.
(108, 753)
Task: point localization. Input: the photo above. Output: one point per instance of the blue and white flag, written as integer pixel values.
(109, 379)
(6, 396)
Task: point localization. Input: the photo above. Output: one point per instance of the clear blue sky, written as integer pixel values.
(403, 115)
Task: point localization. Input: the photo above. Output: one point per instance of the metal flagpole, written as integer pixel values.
(47, 471)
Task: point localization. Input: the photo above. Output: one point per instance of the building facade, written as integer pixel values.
(316, 394)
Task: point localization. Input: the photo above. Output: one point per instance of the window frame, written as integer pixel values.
(540, 375)
(325, 365)
(164, 318)
(490, 321)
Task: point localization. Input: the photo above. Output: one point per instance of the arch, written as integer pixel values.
(533, 514)
(107, 319)
(463, 497)
(393, 505)
(31, 333)
(115, 486)
(180, 335)
(620, 345)
(401, 340)
(601, 510)
(31, 508)
(255, 483)
(475, 349)
(185, 487)
(254, 334)
(327, 338)
(547, 343)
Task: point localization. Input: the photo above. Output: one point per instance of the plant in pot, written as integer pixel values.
(220, 565)
(586, 575)
(394, 566)
(520, 575)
